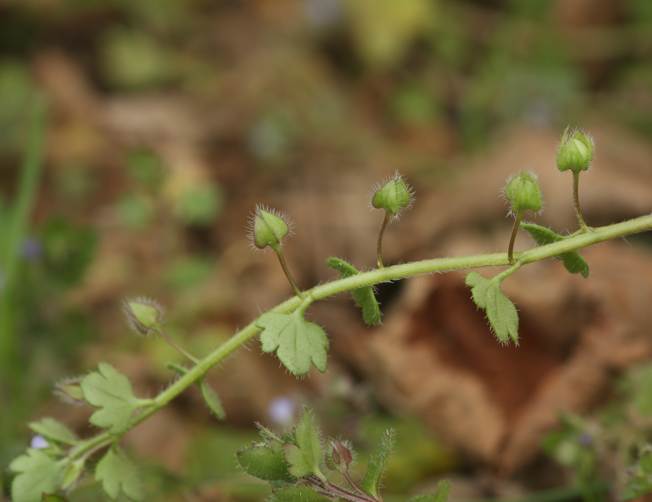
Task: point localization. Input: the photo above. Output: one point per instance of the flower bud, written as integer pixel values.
(268, 228)
(69, 390)
(341, 454)
(393, 195)
(523, 192)
(575, 151)
(144, 315)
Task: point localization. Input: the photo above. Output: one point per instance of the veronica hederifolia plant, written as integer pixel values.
(298, 465)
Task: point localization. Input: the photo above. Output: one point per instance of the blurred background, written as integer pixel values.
(168, 120)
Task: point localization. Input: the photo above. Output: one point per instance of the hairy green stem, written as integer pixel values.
(512, 239)
(286, 270)
(370, 278)
(379, 244)
(576, 202)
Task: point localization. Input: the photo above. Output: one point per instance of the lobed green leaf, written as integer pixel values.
(38, 475)
(118, 473)
(501, 312)
(364, 297)
(110, 391)
(377, 462)
(572, 260)
(296, 341)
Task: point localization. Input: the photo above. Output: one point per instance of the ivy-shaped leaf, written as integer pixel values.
(38, 474)
(304, 457)
(364, 297)
(440, 495)
(110, 391)
(377, 462)
(212, 400)
(54, 430)
(296, 341)
(501, 312)
(572, 260)
(265, 462)
(118, 473)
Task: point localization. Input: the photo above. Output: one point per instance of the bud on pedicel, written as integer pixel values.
(575, 151)
(341, 454)
(393, 195)
(69, 390)
(268, 228)
(523, 192)
(144, 315)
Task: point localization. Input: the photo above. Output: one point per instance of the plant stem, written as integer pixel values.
(370, 278)
(379, 245)
(576, 202)
(512, 239)
(168, 339)
(286, 270)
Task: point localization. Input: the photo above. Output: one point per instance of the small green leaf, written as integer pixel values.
(501, 312)
(305, 457)
(297, 494)
(212, 400)
(296, 341)
(363, 297)
(572, 260)
(54, 430)
(38, 474)
(265, 462)
(440, 495)
(118, 473)
(377, 462)
(110, 391)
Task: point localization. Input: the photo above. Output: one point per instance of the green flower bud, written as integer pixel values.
(69, 390)
(267, 228)
(144, 315)
(523, 193)
(575, 151)
(393, 195)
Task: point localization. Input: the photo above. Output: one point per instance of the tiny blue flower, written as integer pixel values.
(39, 443)
(32, 249)
(282, 410)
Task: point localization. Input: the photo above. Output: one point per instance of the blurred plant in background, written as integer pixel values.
(614, 444)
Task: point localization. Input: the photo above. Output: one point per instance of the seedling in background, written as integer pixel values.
(298, 465)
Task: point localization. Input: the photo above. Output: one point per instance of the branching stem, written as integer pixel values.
(379, 245)
(576, 202)
(168, 339)
(517, 224)
(286, 270)
(370, 278)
